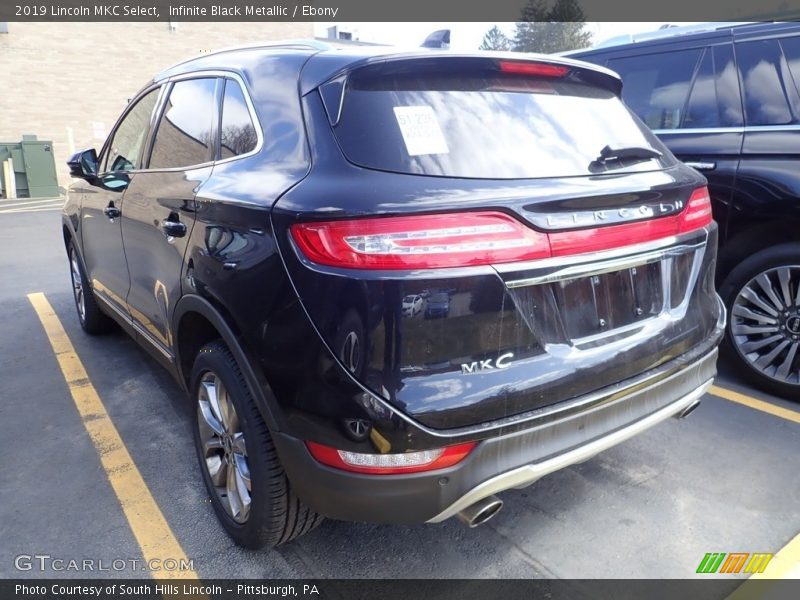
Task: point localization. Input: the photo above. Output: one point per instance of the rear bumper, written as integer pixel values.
(499, 463)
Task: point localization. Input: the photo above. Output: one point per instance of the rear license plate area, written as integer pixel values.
(600, 303)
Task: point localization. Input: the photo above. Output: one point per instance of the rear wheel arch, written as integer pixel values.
(751, 240)
(198, 322)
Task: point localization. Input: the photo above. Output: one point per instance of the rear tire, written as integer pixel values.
(253, 498)
(762, 337)
(92, 319)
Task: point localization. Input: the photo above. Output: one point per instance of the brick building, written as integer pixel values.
(68, 82)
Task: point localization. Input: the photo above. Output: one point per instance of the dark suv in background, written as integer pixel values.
(259, 217)
(726, 101)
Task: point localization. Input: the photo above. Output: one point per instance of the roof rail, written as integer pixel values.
(668, 31)
(288, 44)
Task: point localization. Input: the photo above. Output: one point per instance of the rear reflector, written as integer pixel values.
(475, 238)
(532, 68)
(390, 464)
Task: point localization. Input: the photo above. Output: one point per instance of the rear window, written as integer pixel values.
(493, 125)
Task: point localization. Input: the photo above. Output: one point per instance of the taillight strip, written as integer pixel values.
(475, 238)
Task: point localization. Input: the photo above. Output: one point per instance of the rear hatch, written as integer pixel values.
(556, 245)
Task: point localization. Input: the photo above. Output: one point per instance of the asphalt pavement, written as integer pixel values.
(723, 480)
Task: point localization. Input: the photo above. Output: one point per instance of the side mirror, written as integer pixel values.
(84, 165)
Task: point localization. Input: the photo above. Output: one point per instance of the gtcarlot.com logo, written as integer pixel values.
(734, 562)
(46, 562)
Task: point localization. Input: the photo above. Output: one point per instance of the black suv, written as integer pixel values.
(727, 101)
(259, 217)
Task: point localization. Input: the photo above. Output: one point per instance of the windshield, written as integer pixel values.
(495, 126)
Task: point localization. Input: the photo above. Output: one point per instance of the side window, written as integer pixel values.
(184, 134)
(729, 97)
(702, 109)
(791, 51)
(768, 89)
(656, 86)
(124, 153)
(714, 99)
(237, 132)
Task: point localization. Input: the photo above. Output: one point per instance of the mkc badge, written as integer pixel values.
(479, 366)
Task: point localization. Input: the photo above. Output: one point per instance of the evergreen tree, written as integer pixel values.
(551, 29)
(495, 39)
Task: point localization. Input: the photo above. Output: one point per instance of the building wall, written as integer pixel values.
(68, 82)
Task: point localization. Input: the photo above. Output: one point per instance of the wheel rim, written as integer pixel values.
(224, 449)
(77, 283)
(765, 323)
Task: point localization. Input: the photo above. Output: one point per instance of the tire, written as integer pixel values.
(93, 320)
(274, 514)
(762, 338)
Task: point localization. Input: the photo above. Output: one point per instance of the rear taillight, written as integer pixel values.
(420, 242)
(390, 464)
(533, 69)
(475, 238)
(698, 211)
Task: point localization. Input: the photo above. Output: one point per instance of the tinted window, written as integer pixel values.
(702, 109)
(237, 132)
(766, 82)
(488, 126)
(791, 51)
(125, 150)
(729, 97)
(183, 137)
(656, 86)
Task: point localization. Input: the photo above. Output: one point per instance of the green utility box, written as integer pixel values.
(34, 168)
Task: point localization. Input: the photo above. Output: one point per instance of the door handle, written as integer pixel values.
(111, 211)
(173, 228)
(701, 165)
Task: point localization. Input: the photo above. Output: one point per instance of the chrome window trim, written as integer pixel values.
(253, 117)
(747, 129)
(219, 74)
(131, 105)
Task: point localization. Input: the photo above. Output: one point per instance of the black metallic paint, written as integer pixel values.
(237, 253)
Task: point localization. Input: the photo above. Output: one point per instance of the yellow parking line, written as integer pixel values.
(151, 530)
(767, 407)
(784, 565)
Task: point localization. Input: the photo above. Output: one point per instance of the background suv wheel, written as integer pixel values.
(248, 487)
(762, 295)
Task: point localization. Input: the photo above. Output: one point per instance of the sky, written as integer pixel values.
(463, 36)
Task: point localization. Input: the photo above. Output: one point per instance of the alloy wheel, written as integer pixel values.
(224, 448)
(77, 284)
(765, 323)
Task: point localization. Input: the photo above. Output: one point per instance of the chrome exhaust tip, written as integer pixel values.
(480, 512)
(688, 410)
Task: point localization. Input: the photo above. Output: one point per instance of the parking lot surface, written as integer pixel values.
(723, 480)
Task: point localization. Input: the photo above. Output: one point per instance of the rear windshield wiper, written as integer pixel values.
(608, 154)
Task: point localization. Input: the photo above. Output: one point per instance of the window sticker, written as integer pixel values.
(420, 129)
